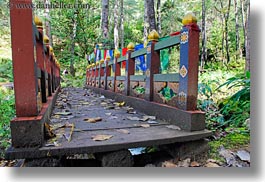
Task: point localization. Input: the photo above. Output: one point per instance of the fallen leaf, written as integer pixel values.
(85, 103)
(243, 155)
(119, 104)
(169, 164)
(113, 117)
(133, 118)
(102, 97)
(123, 131)
(194, 164)
(103, 103)
(152, 122)
(93, 120)
(145, 118)
(108, 113)
(143, 125)
(211, 164)
(48, 131)
(131, 112)
(229, 157)
(109, 107)
(101, 137)
(184, 163)
(63, 113)
(174, 127)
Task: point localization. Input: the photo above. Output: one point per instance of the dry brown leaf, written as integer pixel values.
(145, 125)
(174, 127)
(145, 118)
(133, 118)
(123, 131)
(119, 104)
(93, 120)
(194, 164)
(169, 164)
(108, 113)
(211, 164)
(101, 137)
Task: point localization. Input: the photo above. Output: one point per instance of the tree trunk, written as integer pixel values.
(146, 22)
(158, 10)
(72, 69)
(105, 19)
(247, 42)
(151, 14)
(226, 31)
(203, 53)
(116, 25)
(238, 50)
(121, 24)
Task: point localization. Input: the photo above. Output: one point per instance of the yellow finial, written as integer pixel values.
(93, 64)
(130, 46)
(46, 39)
(189, 18)
(117, 53)
(51, 49)
(153, 35)
(101, 61)
(107, 57)
(97, 63)
(38, 22)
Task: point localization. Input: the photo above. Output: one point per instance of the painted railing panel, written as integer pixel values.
(177, 89)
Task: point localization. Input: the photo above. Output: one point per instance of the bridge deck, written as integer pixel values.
(70, 120)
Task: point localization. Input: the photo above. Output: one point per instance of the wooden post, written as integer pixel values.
(24, 67)
(189, 62)
(41, 62)
(153, 65)
(130, 67)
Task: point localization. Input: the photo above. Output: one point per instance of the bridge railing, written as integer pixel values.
(183, 85)
(36, 77)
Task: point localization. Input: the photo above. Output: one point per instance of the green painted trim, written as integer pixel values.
(172, 41)
(110, 78)
(110, 63)
(138, 78)
(173, 77)
(138, 53)
(122, 58)
(121, 78)
(36, 32)
(38, 73)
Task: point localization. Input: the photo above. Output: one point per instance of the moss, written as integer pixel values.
(232, 141)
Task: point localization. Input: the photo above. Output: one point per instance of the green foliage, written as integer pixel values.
(80, 75)
(234, 140)
(236, 109)
(224, 95)
(6, 74)
(7, 111)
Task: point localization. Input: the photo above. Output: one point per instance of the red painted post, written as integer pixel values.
(130, 68)
(153, 65)
(189, 62)
(24, 68)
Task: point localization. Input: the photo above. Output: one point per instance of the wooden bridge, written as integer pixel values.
(109, 107)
